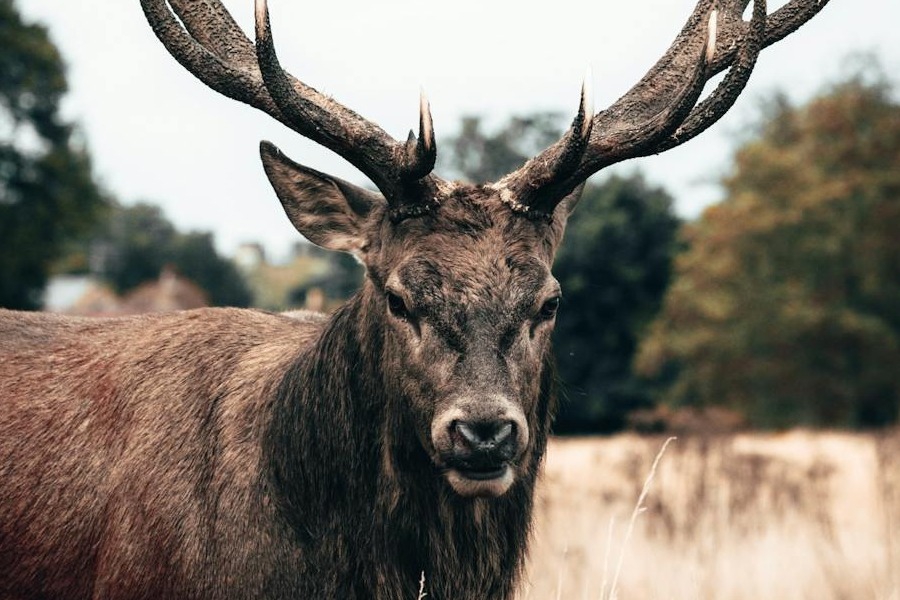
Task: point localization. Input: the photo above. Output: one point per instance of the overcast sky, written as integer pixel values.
(158, 134)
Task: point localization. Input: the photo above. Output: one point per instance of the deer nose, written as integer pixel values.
(494, 440)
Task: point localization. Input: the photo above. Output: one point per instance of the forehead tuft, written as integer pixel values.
(468, 245)
(484, 268)
(473, 211)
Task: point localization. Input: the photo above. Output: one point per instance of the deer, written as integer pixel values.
(388, 450)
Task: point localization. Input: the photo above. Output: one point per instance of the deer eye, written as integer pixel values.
(397, 306)
(549, 308)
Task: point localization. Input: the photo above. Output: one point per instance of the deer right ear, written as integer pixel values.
(328, 211)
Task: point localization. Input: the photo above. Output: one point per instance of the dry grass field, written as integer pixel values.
(795, 515)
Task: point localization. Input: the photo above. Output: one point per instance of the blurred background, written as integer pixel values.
(749, 279)
(741, 291)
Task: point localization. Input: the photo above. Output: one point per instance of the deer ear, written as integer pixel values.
(328, 211)
(561, 215)
(569, 202)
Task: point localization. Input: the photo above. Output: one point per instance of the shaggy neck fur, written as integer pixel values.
(361, 497)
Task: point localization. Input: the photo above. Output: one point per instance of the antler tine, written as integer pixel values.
(547, 174)
(717, 104)
(784, 21)
(421, 152)
(208, 22)
(737, 46)
(240, 82)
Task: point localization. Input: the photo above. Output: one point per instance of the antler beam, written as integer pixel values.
(205, 39)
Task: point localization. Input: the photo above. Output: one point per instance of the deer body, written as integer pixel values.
(89, 439)
(147, 470)
(224, 454)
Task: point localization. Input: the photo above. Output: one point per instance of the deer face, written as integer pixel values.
(464, 296)
(469, 305)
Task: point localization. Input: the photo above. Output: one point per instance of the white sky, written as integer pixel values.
(156, 133)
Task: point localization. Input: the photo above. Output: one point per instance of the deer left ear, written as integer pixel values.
(328, 211)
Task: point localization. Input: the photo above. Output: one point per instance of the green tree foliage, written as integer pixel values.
(139, 242)
(479, 156)
(48, 196)
(613, 266)
(343, 277)
(787, 305)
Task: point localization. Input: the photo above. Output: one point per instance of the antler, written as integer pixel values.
(658, 113)
(661, 110)
(205, 39)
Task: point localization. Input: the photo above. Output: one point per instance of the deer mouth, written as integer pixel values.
(478, 468)
(482, 473)
(480, 481)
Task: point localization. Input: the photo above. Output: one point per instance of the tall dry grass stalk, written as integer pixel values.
(638, 509)
(790, 516)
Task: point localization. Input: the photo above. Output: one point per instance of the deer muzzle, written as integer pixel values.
(478, 442)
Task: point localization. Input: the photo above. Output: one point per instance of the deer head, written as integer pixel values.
(460, 273)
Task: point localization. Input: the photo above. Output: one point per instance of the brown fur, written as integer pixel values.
(119, 439)
(223, 453)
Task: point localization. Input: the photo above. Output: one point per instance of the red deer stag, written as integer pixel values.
(232, 454)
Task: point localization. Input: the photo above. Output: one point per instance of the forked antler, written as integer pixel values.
(660, 112)
(205, 39)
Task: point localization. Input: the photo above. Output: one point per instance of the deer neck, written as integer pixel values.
(342, 449)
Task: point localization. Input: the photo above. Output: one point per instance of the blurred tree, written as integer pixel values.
(480, 157)
(613, 266)
(138, 242)
(787, 305)
(196, 258)
(47, 193)
(343, 277)
(134, 246)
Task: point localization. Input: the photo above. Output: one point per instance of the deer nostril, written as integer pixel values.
(504, 432)
(483, 436)
(466, 432)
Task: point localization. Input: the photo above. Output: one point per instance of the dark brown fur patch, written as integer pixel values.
(226, 453)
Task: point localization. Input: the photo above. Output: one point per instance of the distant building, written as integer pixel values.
(169, 293)
(250, 256)
(86, 296)
(63, 291)
(98, 301)
(304, 249)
